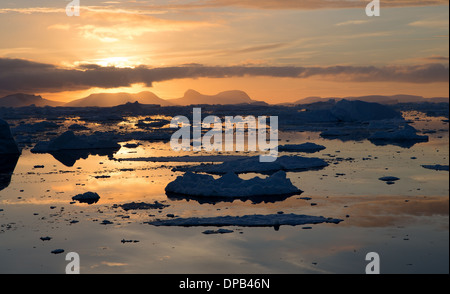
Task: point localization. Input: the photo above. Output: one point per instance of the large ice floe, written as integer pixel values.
(252, 164)
(231, 185)
(69, 141)
(256, 220)
(438, 167)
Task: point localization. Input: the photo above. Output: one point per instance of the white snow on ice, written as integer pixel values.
(230, 185)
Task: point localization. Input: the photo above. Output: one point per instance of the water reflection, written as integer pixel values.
(215, 200)
(7, 165)
(70, 157)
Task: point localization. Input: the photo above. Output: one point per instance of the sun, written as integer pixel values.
(119, 62)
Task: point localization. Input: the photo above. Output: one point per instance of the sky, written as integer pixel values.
(275, 50)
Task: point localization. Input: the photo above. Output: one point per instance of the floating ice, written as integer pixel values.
(252, 164)
(42, 126)
(219, 231)
(402, 133)
(389, 179)
(256, 220)
(230, 185)
(305, 147)
(78, 127)
(88, 197)
(142, 205)
(69, 141)
(436, 167)
(57, 251)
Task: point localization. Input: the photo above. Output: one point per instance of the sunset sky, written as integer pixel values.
(275, 50)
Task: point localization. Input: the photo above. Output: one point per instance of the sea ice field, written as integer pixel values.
(351, 178)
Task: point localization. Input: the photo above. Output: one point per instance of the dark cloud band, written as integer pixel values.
(18, 75)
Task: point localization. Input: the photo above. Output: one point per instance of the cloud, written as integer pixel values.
(18, 75)
(437, 58)
(431, 23)
(352, 22)
(298, 4)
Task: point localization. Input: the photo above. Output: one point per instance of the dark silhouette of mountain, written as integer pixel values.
(114, 99)
(20, 100)
(394, 99)
(228, 97)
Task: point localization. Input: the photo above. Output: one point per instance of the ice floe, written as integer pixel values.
(305, 147)
(231, 185)
(252, 164)
(389, 179)
(88, 197)
(142, 206)
(219, 231)
(436, 167)
(255, 220)
(402, 133)
(69, 141)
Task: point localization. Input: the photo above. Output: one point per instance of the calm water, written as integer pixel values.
(405, 223)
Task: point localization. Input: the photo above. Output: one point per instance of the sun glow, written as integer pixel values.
(119, 62)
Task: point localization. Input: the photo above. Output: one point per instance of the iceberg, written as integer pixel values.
(69, 141)
(405, 133)
(230, 185)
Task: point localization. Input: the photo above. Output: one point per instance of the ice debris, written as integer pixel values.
(88, 197)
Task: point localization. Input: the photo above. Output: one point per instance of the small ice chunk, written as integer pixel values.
(106, 222)
(142, 206)
(88, 197)
(389, 179)
(305, 147)
(219, 231)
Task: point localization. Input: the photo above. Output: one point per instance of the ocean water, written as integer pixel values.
(406, 223)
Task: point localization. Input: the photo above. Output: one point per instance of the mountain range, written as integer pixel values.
(114, 99)
(192, 97)
(394, 99)
(20, 100)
